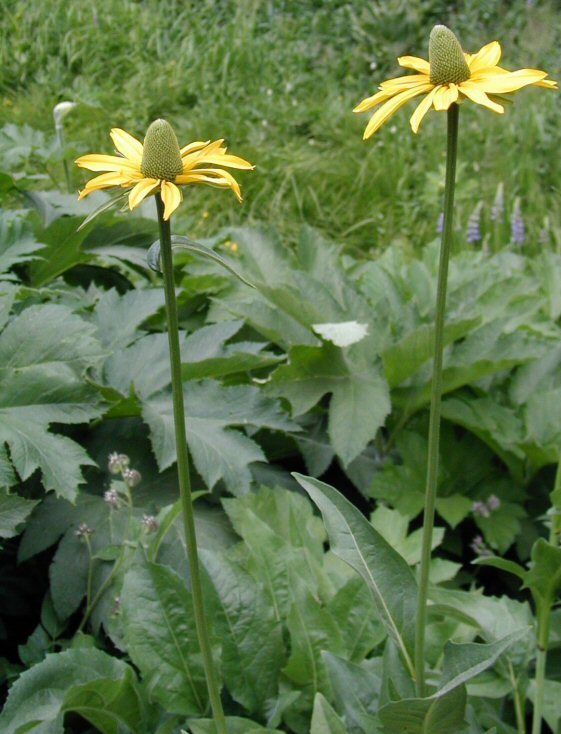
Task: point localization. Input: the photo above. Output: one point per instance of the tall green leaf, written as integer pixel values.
(324, 719)
(253, 649)
(388, 576)
(160, 636)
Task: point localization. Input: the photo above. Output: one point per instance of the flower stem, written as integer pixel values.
(59, 129)
(436, 396)
(555, 528)
(183, 469)
(543, 641)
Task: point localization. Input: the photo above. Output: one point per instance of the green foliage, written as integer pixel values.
(356, 542)
(327, 361)
(86, 681)
(159, 632)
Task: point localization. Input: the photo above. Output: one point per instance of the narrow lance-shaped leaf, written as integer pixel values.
(387, 574)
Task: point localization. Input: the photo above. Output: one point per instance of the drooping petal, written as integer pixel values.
(130, 147)
(547, 83)
(422, 109)
(472, 91)
(213, 176)
(105, 181)
(171, 196)
(488, 55)
(445, 96)
(231, 161)
(391, 106)
(95, 162)
(414, 62)
(510, 82)
(369, 102)
(141, 191)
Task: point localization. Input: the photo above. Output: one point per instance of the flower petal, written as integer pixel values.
(231, 161)
(197, 145)
(391, 106)
(212, 176)
(141, 191)
(369, 102)
(171, 196)
(95, 162)
(472, 91)
(488, 55)
(190, 159)
(130, 147)
(509, 82)
(422, 109)
(445, 96)
(414, 62)
(104, 181)
(547, 83)
(405, 81)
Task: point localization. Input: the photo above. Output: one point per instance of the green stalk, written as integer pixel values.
(541, 658)
(183, 469)
(436, 397)
(59, 130)
(555, 527)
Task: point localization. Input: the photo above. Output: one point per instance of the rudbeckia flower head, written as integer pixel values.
(159, 165)
(449, 76)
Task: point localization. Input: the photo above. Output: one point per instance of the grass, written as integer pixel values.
(279, 80)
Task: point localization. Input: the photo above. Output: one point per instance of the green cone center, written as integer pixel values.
(447, 61)
(161, 157)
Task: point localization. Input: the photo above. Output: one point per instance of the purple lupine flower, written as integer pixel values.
(544, 236)
(517, 226)
(498, 207)
(440, 223)
(473, 233)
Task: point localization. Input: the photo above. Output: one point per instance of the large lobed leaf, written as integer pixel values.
(43, 352)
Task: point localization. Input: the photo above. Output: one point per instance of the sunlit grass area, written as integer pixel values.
(279, 80)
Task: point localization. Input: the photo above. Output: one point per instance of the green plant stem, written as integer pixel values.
(555, 527)
(436, 397)
(541, 659)
(89, 582)
(59, 129)
(183, 468)
(518, 703)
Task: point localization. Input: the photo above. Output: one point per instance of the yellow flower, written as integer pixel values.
(449, 76)
(159, 165)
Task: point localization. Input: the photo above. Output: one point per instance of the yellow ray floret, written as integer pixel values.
(450, 76)
(160, 166)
